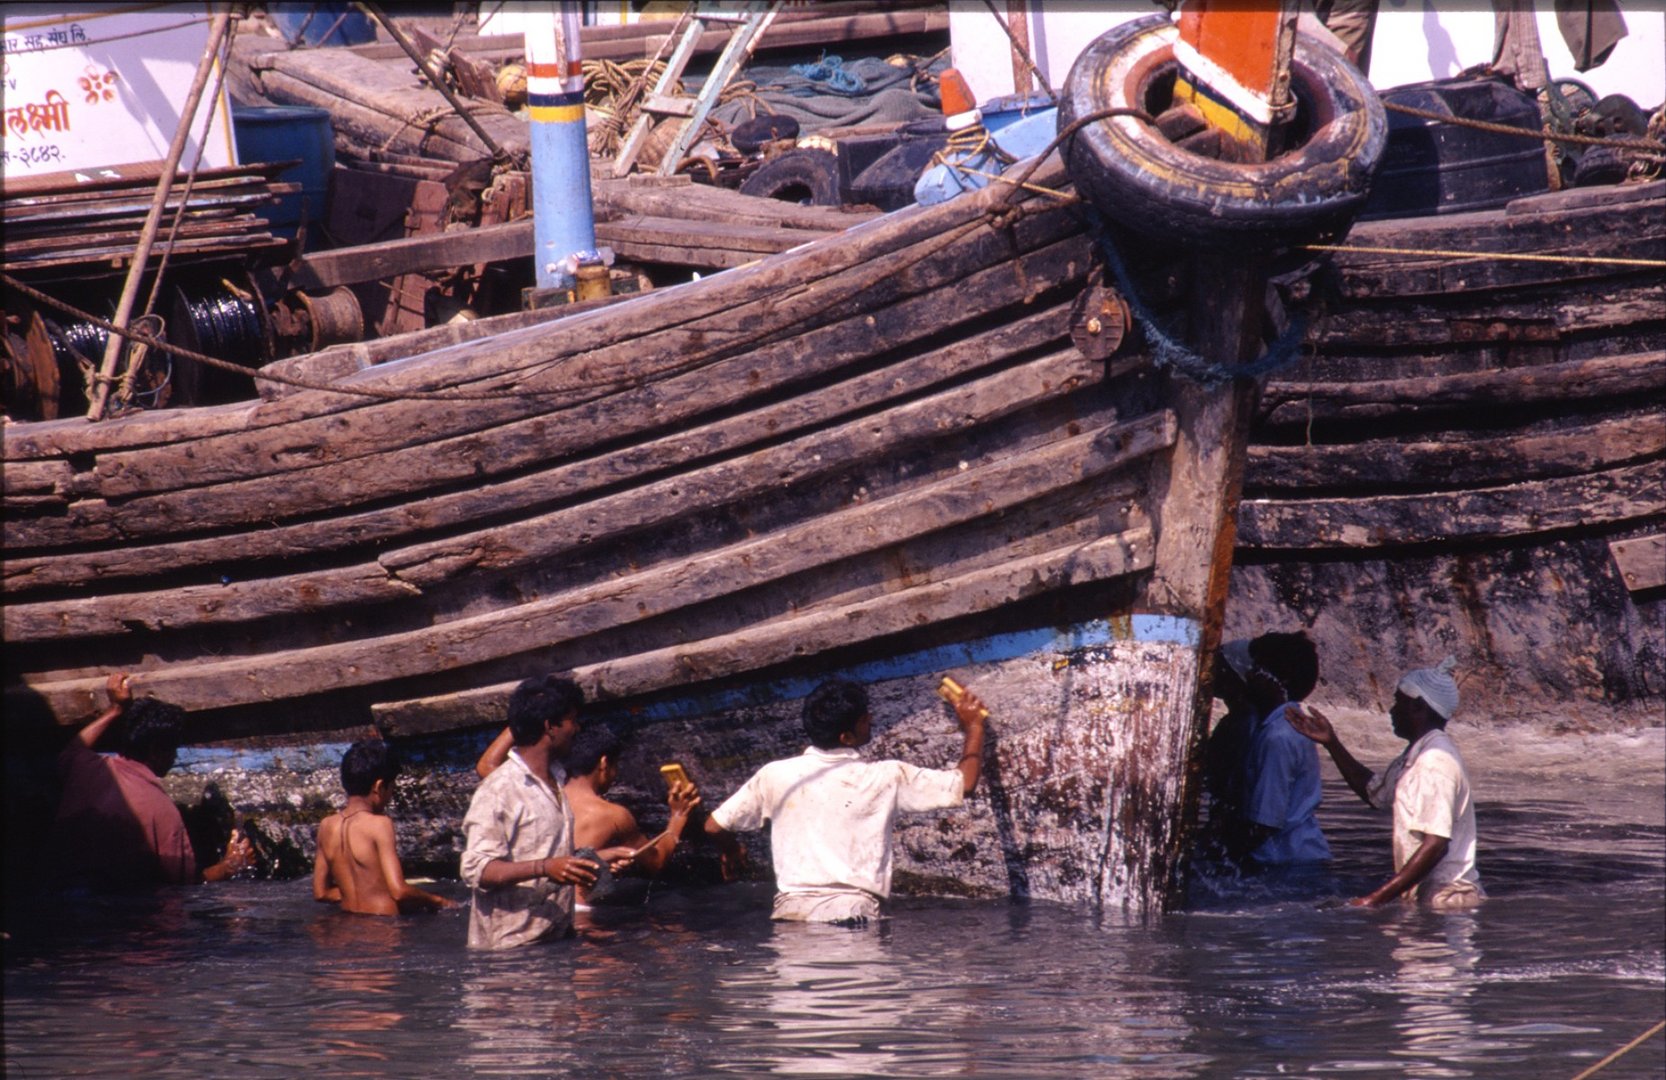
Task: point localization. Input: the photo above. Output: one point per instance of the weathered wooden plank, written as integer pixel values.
(696, 243)
(385, 106)
(202, 605)
(703, 202)
(1607, 196)
(385, 526)
(1201, 480)
(29, 477)
(1524, 222)
(741, 296)
(1396, 322)
(406, 573)
(787, 639)
(419, 458)
(1629, 493)
(1641, 561)
(819, 25)
(963, 407)
(30, 504)
(340, 361)
(539, 624)
(1448, 276)
(1379, 464)
(54, 188)
(372, 262)
(633, 236)
(1573, 380)
(1630, 231)
(419, 129)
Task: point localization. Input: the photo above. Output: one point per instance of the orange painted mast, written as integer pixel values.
(1234, 60)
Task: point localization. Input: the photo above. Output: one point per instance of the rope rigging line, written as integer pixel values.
(1622, 1051)
(1501, 256)
(1536, 135)
(135, 364)
(1023, 53)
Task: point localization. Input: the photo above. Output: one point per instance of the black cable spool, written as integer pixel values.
(221, 324)
(77, 337)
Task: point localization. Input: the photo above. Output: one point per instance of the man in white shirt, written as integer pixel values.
(519, 855)
(1427, 789)
(830, 812)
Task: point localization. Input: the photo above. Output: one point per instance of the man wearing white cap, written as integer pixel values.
(1427, 788)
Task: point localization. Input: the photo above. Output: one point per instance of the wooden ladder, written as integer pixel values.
(748, 21)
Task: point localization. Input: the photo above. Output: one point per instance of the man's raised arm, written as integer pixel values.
(1317, 726)
(972, 714)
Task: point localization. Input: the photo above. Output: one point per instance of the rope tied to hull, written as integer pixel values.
(1169, 352)
(1166, 350)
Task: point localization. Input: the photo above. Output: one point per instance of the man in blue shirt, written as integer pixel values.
(1279, 824)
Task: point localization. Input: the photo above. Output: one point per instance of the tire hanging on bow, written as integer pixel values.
(1141, 180)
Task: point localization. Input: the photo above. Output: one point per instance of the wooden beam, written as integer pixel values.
(1604, 499)
(618, 198)
(816, 26)
(1618, 228)
(1464, 459)
(681, 242)
(31, 477)
(783, 640)
(386, 106)
(373, 262)
(1572, 380)
(1641, 561)
(1553, 316)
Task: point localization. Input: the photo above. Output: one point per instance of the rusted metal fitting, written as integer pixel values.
(1099, 322)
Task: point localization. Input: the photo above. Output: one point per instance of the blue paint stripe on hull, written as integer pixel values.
(1156, 629)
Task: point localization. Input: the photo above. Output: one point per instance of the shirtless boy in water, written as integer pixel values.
(358, 862)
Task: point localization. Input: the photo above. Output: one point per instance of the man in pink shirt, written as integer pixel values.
(115, 826)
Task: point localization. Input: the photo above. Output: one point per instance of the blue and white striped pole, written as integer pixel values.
(563, 219)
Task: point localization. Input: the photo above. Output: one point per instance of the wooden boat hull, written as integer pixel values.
(875, 446)
(1452, 467)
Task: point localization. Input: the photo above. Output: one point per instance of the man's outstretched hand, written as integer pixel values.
(1312, 723)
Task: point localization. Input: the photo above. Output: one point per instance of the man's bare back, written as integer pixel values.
(599, 822)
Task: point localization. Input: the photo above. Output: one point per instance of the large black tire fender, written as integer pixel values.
(1133, 174)
(807, 176)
